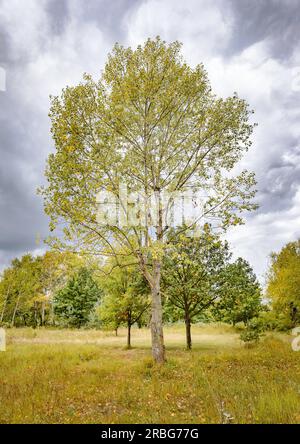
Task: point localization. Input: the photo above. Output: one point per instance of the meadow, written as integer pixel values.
(88, 376)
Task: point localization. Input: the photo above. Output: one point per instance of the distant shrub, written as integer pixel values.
(240, 326)
(270, 320)
(253, 332)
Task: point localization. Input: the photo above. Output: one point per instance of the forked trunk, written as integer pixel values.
(158, 348)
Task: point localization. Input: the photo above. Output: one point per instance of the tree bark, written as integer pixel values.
(35, 315)
(52, 314)
(4, 305)
(15, 311)
(188, 331)
(129, 335)
(293, 314)
(43, 313)
(158, 348)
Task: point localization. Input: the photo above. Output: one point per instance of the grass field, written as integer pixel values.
(65, 376)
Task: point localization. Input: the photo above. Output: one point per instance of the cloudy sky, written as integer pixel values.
(248, 46)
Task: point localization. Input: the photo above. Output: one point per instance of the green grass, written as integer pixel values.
(65, 376)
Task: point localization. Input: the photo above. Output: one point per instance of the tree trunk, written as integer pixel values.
(188, 331)
(293, 314)
(4, 305)
(43, 313)
(15, 311)
(2, 313)
(52, 314)
(129, 335)
(35, 315)
(158, 348)
(116, 331)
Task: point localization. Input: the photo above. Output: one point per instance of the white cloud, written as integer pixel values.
(80, 48)
(27, 25)
(200, 24)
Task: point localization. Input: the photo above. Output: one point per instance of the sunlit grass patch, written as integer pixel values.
(102, 382)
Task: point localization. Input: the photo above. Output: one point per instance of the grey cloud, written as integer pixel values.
(4, 52)
(109, 15)
(279, 176)
(278, 189)
(58, 12)
(21, 213)
(275, 21)
(106, 14)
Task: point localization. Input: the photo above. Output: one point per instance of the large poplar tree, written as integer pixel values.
(152, 122)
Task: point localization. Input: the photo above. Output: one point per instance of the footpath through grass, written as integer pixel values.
(88, 377)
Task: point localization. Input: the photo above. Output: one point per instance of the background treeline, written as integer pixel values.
(200, 282)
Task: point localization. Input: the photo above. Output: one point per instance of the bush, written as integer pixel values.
(253, 332)
(268, 320)
(239, 326)
(75, 303)
(271, 320)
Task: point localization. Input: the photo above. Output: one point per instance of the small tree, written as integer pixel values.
(56, 268)
(241, 298)
(126, 299)
(253, 332)
(193, 274)
(74, 303)
(28, 285)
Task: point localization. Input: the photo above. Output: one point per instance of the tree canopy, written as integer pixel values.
(28, 285)
(74, 303)
(193, 274)
(241, 298)
(284, 283)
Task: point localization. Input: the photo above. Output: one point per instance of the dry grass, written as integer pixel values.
(204, 336)
(65, 376)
